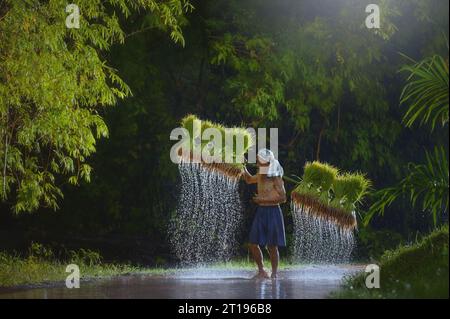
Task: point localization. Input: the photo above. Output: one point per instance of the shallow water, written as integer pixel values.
(303, 282)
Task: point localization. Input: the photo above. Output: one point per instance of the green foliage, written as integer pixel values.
(372, 243)
(324, 75)
(256, 90)
(414, 271)
(303, 63)
(427, 92)
(426, 183)
(85, 257)
(54, 82)
(39, 251)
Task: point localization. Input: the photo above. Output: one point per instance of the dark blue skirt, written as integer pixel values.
(268, 227)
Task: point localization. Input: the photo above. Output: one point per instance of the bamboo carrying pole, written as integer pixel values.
(286, 178)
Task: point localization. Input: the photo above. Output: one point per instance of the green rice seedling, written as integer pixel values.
(317, 180)
(320, 175)
(348, 190)
(235, 134)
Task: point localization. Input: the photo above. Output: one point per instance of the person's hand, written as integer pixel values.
(245, 170)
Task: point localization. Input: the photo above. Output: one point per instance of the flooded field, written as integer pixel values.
(302, 282)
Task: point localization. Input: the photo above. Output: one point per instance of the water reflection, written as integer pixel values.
(272, 289)
(304, 282)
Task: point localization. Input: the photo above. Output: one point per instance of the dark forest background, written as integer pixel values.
(310, 68)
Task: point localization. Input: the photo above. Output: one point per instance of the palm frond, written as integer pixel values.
(427, 183)
(426, 92)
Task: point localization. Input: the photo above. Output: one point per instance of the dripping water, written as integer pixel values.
(208, 216)
(317, 240)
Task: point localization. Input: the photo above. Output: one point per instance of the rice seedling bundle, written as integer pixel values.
(329, 195)
(214, 153)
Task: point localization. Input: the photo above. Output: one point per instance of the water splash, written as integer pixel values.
(317, 240)
(208, 216)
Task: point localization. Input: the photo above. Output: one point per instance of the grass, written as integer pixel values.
(415, 271)
(40, 266)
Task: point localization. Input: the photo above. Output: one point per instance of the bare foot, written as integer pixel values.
(261, 275)
(274, 275)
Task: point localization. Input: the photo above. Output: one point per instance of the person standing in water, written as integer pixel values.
(268, 227)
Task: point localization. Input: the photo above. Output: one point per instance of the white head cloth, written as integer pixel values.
(274, 168)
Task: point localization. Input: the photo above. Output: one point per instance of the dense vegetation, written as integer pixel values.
(55, 82)
(309, 68)
(419, 270)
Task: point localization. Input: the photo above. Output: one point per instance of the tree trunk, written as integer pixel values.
(319, 142)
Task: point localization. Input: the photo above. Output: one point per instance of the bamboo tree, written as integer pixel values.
(54, 82)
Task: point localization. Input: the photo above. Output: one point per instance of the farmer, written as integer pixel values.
(268, 226)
